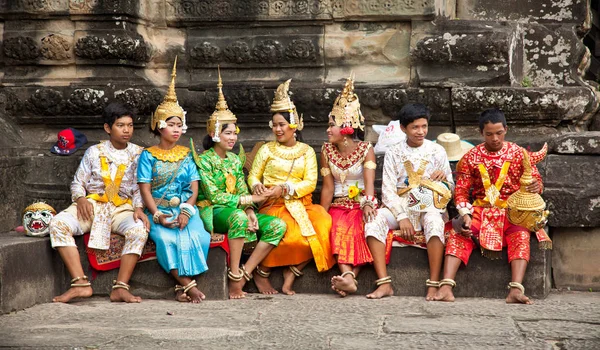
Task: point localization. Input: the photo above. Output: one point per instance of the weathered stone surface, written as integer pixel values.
(455, 53)
(559, 11)
(111, 47)
(310, 322)
(409, 269)
(571, 192)
(577, 143)
(575, 261)
(276, 10)
(378, 53)
(552, 55)
(30, 272)
(12, 171)
(528, 106)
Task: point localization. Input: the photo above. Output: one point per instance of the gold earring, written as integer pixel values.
(345, 141)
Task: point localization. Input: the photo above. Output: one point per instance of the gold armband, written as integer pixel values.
(369, 164)
(325, 172)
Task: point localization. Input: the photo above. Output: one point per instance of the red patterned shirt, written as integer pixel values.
(468, 176)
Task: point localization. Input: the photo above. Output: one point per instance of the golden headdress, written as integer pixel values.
(221, 116)
(169, 107)
(525, 208)
(39, 206)
(346, 109)
(283, 103)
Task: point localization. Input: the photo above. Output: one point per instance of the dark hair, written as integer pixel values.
(358, 134)
(156, 131)
(492, 115)
(286, 116)
(116, 110)
(207, 142)
(413, 111)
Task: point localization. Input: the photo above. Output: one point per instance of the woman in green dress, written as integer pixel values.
(226, 205)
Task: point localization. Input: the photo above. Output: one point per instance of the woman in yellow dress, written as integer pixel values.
(286, 171)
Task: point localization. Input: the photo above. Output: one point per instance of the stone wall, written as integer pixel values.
(63, 60)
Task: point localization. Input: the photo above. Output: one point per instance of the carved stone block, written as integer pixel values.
(256, 47)
(378, 53)
(552, 56)
(524, 106)
(458, 53)
(572, 195)
(39, 42)
(523, 10)
(380, 10)
(577, 143)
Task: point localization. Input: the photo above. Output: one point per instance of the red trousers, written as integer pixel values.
(516, 238)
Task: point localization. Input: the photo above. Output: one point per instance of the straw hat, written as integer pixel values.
(454, 146)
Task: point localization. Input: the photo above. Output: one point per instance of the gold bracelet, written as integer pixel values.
(325, 172)
(369, 164)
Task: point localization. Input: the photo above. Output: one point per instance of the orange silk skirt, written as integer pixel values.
(294, 248)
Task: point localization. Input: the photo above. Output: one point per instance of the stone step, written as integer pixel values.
(409, 268)
(32, 273)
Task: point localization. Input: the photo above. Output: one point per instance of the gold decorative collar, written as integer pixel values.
(289, 153)
(174, 154)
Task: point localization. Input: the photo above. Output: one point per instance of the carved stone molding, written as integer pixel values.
(56, 47)
(277, 10)
(256, 47)
(93, 47)
(21, 48)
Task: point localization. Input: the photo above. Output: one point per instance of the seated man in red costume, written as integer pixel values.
(492, 171)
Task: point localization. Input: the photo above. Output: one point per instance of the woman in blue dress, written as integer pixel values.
(168, 181)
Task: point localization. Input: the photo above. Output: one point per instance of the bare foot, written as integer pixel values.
(343, 285)
(516, 297)
(444, 293)
(181, 297)
(73, 292)
(431, 292)
(122, 294)
(235, 289)
(195, 296)
(264, 285)
(384, 290)
(288, 282)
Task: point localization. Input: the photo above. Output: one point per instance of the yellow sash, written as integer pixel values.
(492, 193)
(111, 188)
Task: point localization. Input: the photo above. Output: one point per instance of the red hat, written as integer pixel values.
(69, 141)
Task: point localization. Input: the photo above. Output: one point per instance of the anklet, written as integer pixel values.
(430, 283)
(232, 276)
(262, 273)
(448, 282)
(295, 271)
(353, 276)
(84, 277)
(245, 273)
(178, 288)
(119, 284)
(384, 280)
(189, 286)
(517, 285)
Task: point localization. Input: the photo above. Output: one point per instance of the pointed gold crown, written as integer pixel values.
(39, 206)
(522, 199)
(346, 108)
(169, 107)
(283, 103)
(222, 115)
